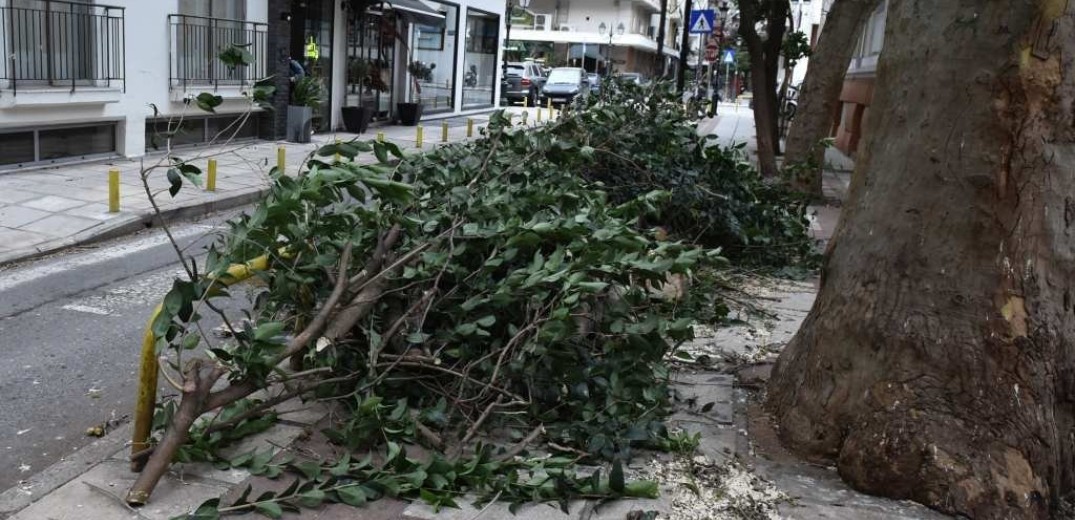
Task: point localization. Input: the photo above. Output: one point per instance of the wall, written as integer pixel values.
(147, 82)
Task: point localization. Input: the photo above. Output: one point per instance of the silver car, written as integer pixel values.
(564, 84)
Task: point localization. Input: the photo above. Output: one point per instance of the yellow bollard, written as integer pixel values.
(380, 137)
(444, 131)
(337, 156)
(550, 109)
(210, 179)
(113, 190)
(149, 367)
(418, 137)
(281, 155)
(470, 127)
(525, 117)
(539, 114)
(511, 119)
(526, 102)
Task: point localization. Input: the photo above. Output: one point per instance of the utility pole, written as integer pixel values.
(685, 47)
(660, 69)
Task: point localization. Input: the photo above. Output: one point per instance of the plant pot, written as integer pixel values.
(409, 113)
(357, 119)
(300, 123)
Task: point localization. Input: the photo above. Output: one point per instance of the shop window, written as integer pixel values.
(435, 48)
(202, 130)
(16, 148)
(479, 61)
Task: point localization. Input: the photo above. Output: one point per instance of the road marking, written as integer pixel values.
(86, 308)
(33, 272)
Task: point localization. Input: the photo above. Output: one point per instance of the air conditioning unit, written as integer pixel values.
(566, 28)
(541, 22)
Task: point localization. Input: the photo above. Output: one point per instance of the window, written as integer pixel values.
(224, 9)
(55, 143)
(435, 47)
(479, 61)
(57, 42)
(204, 28)
(195, 131)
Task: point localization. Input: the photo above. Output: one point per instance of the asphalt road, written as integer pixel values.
(70, 334)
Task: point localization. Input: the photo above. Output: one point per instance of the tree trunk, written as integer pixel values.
(820, 94)
(765, 61)
(938, 362)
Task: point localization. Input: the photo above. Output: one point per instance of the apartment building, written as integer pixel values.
(857, 93)
(597, 34)
(83, 79)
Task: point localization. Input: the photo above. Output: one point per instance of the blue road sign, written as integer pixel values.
(701, 21)
(729, 56)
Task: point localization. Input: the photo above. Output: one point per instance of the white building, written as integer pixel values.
(587, 33)
(85, 78)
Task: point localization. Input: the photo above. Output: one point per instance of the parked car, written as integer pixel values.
(523, 80)
(564, 84)
(595, 82)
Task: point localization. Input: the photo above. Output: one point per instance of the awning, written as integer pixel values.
(415, 11)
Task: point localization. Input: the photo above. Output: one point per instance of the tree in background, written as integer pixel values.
(762, 24)
(938, 362)
(819, 96)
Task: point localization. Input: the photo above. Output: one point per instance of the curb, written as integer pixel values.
(131, 223)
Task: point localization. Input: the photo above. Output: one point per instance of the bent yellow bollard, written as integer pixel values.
(281, 155)
(149, 367)
(470, 127)
(210, 177)
(418, 137)
(113, 190)
(444, 131)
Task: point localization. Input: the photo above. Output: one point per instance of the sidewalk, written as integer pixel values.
(47, 209)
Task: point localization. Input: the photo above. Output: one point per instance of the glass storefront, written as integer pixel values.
(311, 47)
(434, 48)
(479, 61)
(371, 47)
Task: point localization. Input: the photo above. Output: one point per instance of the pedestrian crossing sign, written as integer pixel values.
(701, 21)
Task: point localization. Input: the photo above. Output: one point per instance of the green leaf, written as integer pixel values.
(642, 489)
(268, 330)
(269, 509)
(208, 102)
(175, 181)
(352, 495)
(312, 498)
(486, 321)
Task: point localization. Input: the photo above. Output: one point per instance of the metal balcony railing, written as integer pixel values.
(53, 43)
(196, 44)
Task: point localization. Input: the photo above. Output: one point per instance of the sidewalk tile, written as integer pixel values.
(59, 225)
(13, 196)
(18, 239)
(18, 216)
(53, 203)
(94, 211)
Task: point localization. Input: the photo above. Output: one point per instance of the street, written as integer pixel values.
(70, 332)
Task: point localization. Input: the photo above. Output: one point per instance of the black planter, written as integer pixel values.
(409, 113)
(357, 119)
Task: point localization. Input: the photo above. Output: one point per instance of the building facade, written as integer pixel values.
(83, 79)
(857, 93)
(597, 35)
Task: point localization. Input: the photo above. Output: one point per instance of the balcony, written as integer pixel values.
(53, 48)
(195, 44)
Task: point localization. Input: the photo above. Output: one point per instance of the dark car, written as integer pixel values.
(523, 80)
(564, 84)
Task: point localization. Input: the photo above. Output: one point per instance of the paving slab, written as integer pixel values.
(13, 195)
(18, 216)
(59, 225)
(52, 203)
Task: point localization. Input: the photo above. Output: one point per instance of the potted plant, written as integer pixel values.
(357, 119)
(411, 113)
(307, 94)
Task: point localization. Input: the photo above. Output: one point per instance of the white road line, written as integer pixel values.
(86, 308)
(16, 277)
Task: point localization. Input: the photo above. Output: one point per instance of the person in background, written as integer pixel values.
(296, 72)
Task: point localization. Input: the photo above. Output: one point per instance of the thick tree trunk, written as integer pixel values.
(819, 97)
(765, 61)
(938, 362)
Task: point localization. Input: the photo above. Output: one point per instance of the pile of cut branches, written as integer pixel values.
(479, 287)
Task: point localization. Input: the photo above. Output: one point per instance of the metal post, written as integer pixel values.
(337, 156)
(210, 180)
(281, 153)
(470, 128)
(418, 136)
(507, 41)
(444, 131)
(660, 70)
(113, 190)
(380, 137)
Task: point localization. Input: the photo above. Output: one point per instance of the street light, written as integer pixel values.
(602, 29)
(507, 37)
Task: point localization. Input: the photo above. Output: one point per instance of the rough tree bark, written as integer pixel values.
(938, 362)
(765, 61)
(820, 93)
